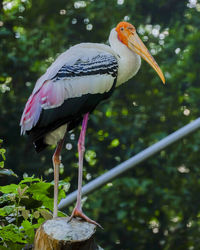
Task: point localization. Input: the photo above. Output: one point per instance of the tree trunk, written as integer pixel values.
(59, 234)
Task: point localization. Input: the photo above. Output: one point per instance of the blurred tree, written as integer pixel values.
(156, 205)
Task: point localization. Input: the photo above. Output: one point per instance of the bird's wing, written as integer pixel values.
(82, 71)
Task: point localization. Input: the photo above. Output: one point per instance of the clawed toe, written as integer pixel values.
(78, 213)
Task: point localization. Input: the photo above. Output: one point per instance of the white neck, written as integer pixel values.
(128, 61)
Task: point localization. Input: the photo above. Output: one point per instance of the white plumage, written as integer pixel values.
(128, 62)
(83, 51)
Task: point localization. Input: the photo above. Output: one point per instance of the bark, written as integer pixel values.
(59, 234)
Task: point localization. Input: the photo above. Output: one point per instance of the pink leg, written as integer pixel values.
(77, 212)
(56, 164)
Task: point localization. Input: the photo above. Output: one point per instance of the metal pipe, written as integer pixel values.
(133, 161)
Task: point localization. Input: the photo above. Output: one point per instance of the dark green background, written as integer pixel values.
(156, 205)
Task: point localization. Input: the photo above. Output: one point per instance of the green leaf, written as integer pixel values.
(1, 165)
(12, 233)
(45, 214)
(114, 143)
(61, 194)
(36, 214)
(41, 192)
(12, 188)
(6, 210)
(2, 153)
(25, 214)
(29, 229)
(3, 248)
(7, 198)
(121, 214)
(29, 180)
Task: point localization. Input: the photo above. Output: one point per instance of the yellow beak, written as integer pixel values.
(136, 45)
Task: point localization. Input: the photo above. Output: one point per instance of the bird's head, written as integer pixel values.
(127, 34)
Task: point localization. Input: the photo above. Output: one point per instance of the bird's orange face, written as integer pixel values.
(124, 30)
(127, 35)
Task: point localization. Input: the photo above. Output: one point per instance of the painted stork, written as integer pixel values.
(73, 86)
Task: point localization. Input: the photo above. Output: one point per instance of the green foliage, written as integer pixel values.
(4, 171)
(23, 208)
(2, 154)
(155, 205)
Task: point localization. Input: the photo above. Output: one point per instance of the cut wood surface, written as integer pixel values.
(59, 234)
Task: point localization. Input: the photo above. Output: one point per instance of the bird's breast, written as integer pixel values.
(128, 67)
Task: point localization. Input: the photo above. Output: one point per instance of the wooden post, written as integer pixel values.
(59, 234)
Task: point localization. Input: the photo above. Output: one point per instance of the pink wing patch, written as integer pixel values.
(50, 95)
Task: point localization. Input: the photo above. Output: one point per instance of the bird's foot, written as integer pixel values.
(77, 212)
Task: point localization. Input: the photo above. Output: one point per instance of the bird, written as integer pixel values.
(71, 88)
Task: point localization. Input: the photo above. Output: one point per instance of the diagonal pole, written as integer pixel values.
(133, 161)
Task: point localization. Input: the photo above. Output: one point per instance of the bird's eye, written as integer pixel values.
(121, 28)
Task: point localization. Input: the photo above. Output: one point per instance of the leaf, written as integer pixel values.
(11, 233)
(62, 214)
(121, 214)
(19, 191)
(40, 221)
(3, 248)
(46, 214)
(1, 166)
(22, 191)
(29, 180)
(36, 214)
(2, 152)
(61, 194)
(41, 192)
(7, 172)
(6, 210)
(12, 188)
(7, 198)
(25, 214)
(28, 228)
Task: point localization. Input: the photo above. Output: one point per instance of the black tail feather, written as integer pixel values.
(39, 145)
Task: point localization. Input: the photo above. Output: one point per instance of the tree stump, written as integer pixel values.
(59, 234)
